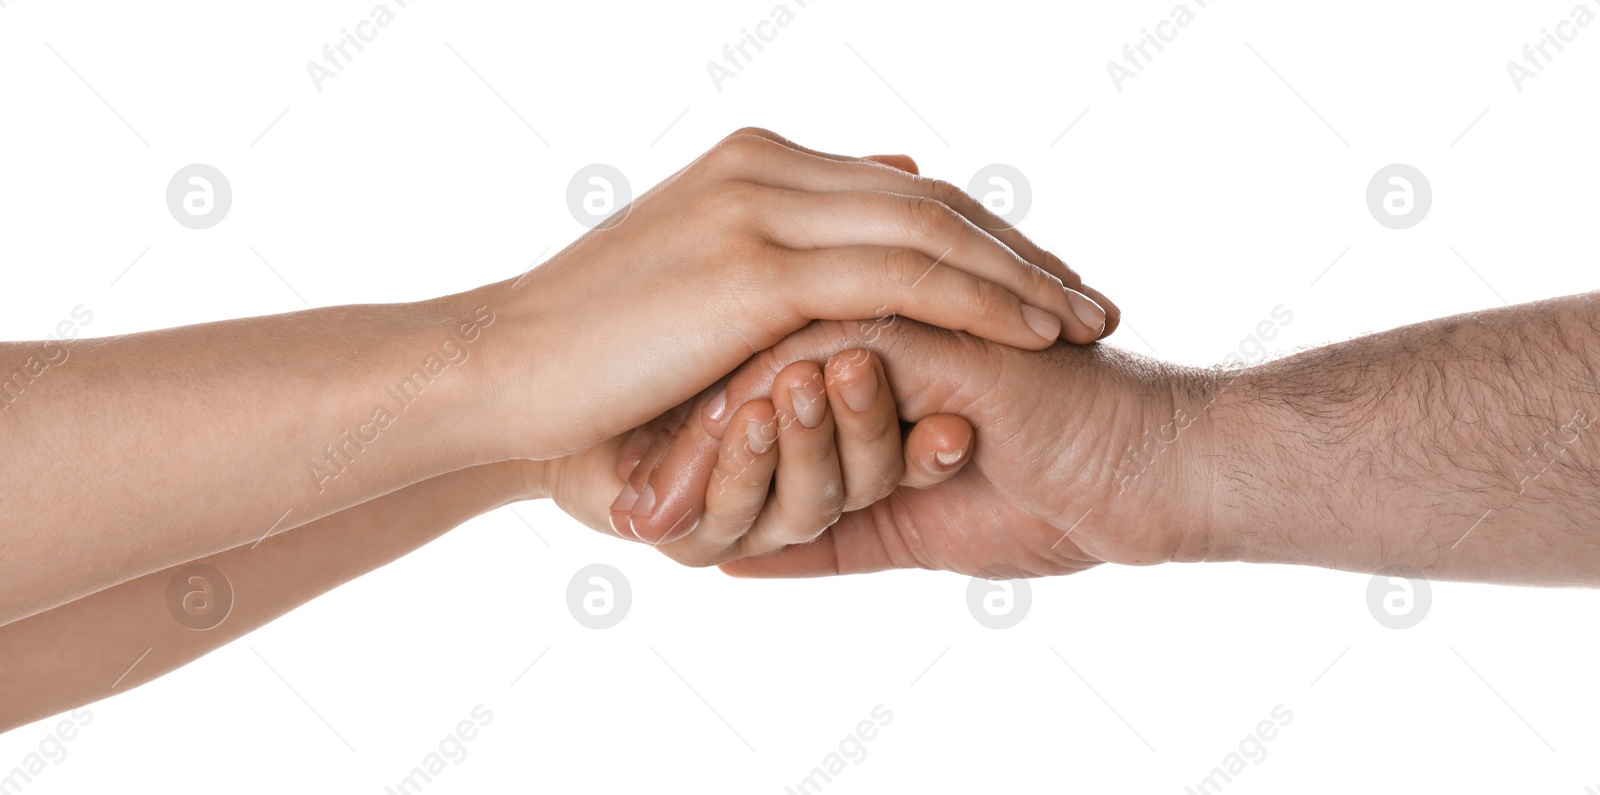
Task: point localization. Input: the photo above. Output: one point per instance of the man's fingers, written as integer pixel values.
(870, 457)
(809, 492)
(936, 449)
(740, 487)
(946, 373)
(665, 495)
(850, 546)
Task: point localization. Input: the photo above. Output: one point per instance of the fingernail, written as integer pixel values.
(755, 437)
(646, 503)
(621, 520)
(861, 393)
(1087, 310)
(626, 466)
(683, 527)
(626, 499)
(807, 407)
(622, 525)
(950, 459)
(638, 443)
(1043, 323)
(717, 405)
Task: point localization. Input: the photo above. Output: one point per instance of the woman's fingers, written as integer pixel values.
(803, 169)
(865, 281)
(901, 162)
(870, 218)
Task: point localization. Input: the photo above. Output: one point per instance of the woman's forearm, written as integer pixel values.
(131, 454)
(129, 634)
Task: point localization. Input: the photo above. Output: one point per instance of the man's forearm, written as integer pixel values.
(1460, 447)
(130, 454)
(129, 634)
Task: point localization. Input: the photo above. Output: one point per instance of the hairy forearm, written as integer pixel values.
(130, 454)
(1461, 448)
(129, 634)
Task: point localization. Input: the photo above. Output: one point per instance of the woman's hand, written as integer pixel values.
(726, 257)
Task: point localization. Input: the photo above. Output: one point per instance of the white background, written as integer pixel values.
(1201, 196)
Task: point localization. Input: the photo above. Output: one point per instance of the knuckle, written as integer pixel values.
(872, 433)
(825, 508)
(1042, 280)
(809, 532)
(733, 473)
(738, 152)
(759, 132)
(928, 216)
(945, 192)
(989, 302)
(904, 265)
(816, 456)
(876, 486)
(722, 157)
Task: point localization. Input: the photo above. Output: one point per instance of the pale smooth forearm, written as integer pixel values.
(121, 637)
(135, 453)
(1460, 448)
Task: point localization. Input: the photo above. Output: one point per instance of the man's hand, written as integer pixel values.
(1066, 473)
(1462, 448)
(828, 442)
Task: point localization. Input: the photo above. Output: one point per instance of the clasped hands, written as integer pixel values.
(752, 335)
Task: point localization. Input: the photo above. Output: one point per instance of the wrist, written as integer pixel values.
(1274, 497)
(478, 348)
(1216, 464)
(532, 478)
(1198, 431)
